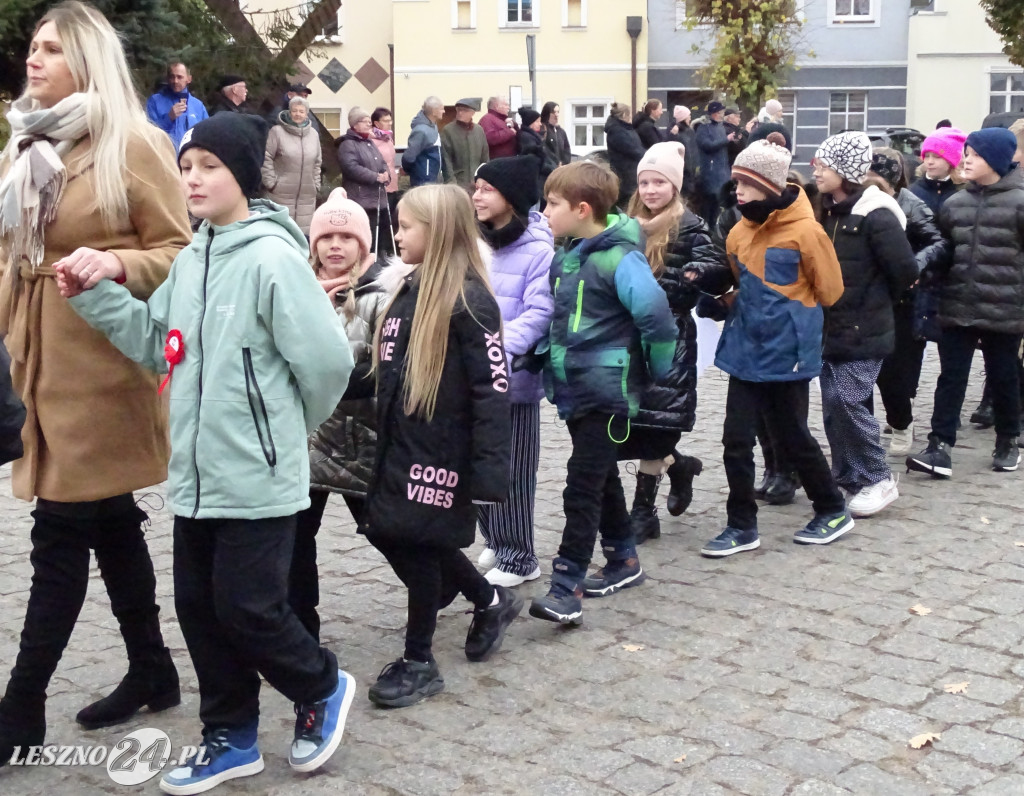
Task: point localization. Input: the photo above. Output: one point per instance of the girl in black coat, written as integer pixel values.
(676, 239)
(625, 150)
(867, 229)
(555, 139)
(443, 435)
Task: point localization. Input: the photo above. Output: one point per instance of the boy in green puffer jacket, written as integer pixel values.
(611, 332)
(256, 358)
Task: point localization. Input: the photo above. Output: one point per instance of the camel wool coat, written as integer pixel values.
(95, 427)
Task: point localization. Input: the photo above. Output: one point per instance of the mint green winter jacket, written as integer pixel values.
(266, 361)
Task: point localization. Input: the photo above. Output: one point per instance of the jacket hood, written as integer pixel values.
(392, 274)
(874, 198)
(537, 230)
(620, 229)
(615, 121)
(1013, 179)
(796, 211)
(266, 219)
(421, 120)
(908, 201)
(352, 135)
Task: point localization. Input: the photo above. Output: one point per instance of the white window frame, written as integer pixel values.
(680, 13)
(568, 120)
(789, 119)
(873, 16)
(323, 37)
(455, 14)
(341, 124)
(846, 113)
(565, 15)
(503, 15)
(1007, 93)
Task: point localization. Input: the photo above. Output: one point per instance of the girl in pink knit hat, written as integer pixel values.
(939, 176)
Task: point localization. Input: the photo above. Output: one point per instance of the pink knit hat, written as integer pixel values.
(681, 113)
(667, 158)
(340, 214)
(947, 143)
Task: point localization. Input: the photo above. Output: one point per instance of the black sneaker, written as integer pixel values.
(984, 416)
(564, 601)
(402, 683)
(935, 460)
(1006, 457)
(782, 490)
(489, 624)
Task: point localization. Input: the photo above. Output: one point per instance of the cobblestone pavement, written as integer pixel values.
(789, 670)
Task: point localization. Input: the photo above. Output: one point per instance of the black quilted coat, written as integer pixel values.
(931, 249)
(984, 286)
(671, 402)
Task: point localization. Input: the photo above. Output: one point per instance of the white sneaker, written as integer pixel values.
(488, 558)
(902, 442)
(872, 499)
(498, 577)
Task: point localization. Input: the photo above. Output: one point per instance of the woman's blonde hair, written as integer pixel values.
(96, 60)
(452, 254)
(660, 229)
(621, 110)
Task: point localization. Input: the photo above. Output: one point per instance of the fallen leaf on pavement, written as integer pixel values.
(986, 520)
(632, 647)
(1019, 544)
(679, 759)
(955, 688)
(924, 739)
(920, 610)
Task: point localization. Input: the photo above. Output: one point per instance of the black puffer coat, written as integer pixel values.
(647, 129)
(625, 151)
(984, 286)
(934, 193)
(878, 267)
(342, 450)
(685, 136)
(428, 472)
(671, 402)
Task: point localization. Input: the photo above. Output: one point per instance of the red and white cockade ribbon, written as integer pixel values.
(174, 352)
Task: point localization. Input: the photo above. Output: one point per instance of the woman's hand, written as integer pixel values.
(84, 268)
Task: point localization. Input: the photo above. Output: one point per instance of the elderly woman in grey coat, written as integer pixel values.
(291, 166)
(365, 176)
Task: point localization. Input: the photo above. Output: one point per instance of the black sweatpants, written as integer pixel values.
(432, 575)
(231, 595)
(901, 370)
(784, 404)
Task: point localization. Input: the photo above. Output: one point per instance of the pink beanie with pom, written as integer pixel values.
(340, 214)
(947, 143)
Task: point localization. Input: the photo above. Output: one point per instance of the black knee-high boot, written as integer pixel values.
(60, 577)
(127, 571)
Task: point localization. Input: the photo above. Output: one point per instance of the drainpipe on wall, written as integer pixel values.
(633, 27)
(391, 78)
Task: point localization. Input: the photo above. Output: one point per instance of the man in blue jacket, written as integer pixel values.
(422, 157)
(173, 109)
(713, 142)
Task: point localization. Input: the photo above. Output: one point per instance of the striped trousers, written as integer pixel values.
(508, 527)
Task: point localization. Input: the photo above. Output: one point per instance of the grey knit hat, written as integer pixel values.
(848, 154)
(764, 165)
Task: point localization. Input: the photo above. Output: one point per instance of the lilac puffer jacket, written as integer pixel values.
(519, 276)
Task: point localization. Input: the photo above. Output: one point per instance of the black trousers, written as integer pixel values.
(901, 370)
(956, 350)
(709, 208)
(62, 537)
(231, 595)
(784, 405)
(593, 501)
(433, 575)
(648, 443)
(380, 232)
(304, 576)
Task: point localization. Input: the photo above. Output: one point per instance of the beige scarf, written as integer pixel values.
(32, 188)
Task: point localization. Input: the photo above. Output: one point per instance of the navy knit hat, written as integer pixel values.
(516, 178)
(764, 129)
(239, 140)
(996, 146)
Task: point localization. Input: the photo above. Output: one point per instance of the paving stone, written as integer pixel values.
(794, 725)
(889, 691)
(985, 747)
(954, 708)
(894, 724)
(816, 702)
(813, 787)
(806, 761)
(866, 778)
(1008, 785)
(747, 776)
(952, 771)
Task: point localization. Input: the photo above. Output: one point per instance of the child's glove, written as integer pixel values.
(717, 309)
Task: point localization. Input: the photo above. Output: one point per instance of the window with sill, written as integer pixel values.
(330, 118)
(587, 120)
(1006, 92)
(516, 13)
(847, 110)
(574, 13)
(464, 14)
(688, 9)
(843, 11)
(331, 33)
(788, 100)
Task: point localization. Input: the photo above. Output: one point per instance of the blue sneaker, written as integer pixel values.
(318, 727)
(731, 541)
(824, 528)
(564, 601)
(216, 761)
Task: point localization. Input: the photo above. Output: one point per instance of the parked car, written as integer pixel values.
(905, 140)
(1004, 119)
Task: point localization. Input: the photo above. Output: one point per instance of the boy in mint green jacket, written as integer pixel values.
(256, 358)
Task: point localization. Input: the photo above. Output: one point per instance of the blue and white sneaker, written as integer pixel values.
(318, 727)
(216, 761)
(731, 541)
(824, 528)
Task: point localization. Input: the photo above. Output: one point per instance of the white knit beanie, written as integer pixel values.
(848, 154)
(667, 158)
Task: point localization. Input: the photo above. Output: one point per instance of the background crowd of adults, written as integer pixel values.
(452, 152)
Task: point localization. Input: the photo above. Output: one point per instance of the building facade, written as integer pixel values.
(956, 68)
(851, 70)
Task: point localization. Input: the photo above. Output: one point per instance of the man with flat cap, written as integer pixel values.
(464, 145)
(231, 94)
(713, 142)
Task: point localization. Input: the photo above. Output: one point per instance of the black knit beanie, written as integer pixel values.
(517, 179)
(764, 129)
(239, 140)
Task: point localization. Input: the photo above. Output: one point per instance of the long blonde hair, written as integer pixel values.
(96, 60)
(452, 254)
(660, 229)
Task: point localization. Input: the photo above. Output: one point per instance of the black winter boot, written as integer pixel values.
(983, 415)
(782, 491)
(643, 518)
(681, 473)
(151, 683)
(621, 571)
(22, 724)
(761, 490)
